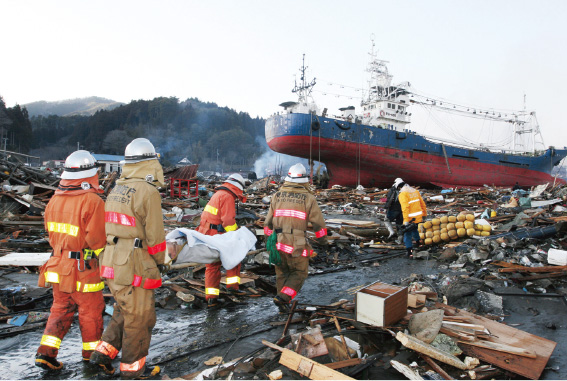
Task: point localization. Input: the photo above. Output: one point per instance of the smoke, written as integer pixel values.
(273, 163)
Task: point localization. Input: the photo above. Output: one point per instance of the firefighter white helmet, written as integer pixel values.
(398, 182)
(79, 165)
(297, 174)
(236, 180)
(140, 149)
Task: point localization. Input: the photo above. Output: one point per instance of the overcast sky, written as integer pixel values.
(245, 54)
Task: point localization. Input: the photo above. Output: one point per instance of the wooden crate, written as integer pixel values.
(381, 304)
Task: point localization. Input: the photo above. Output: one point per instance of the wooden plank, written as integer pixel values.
(543, 269)
(541, 276)
(405, 370)
(421, 347)
(305, 366)
(528, 367)
(503, 348)
(436, 367)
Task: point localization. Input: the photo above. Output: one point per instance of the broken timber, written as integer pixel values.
(306, 367)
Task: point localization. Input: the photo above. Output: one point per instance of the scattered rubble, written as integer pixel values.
(451, 323)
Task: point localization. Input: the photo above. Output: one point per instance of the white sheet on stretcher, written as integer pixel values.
(230, 248)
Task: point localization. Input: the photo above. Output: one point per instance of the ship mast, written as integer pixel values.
(304, 88)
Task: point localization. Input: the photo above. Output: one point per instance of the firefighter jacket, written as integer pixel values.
(291, 209)
(74, 218)
(135, 234)
(219, 215)
(412, 204)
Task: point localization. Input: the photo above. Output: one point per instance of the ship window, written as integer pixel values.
(401, 108)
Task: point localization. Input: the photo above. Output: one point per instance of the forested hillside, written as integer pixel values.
(79, 106)
(192, 129)
(15, 128)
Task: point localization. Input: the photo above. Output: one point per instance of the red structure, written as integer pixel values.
(183, 188)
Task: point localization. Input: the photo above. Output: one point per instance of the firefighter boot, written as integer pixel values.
(103, 361)
(409, 251)
(282, 305)
(214, 303)
(47, 362)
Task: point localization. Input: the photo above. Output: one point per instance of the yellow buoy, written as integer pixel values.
(478, 226)
(436, 233)
(451, 226)
(421, 235)
(427, 224)
(436, 227)
(443, 231)
(445, 236)
(470, 217)
(461, 217)
(435, 221)
(428, 234)
(452, 233)
(444, 219)
(459, 225)
(436, 239)
(486, 228)
(470, 232)
(461, 232)
(443, 226)
(484, 234)
(469, 225)
(452, 219)
(428, 241)
(477, 232)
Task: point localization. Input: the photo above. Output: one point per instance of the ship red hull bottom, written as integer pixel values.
(351, 164)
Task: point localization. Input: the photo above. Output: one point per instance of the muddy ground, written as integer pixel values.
(183, 339)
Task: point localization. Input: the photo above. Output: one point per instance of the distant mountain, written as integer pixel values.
(70, 107)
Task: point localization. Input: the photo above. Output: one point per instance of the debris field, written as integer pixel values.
(484, 298)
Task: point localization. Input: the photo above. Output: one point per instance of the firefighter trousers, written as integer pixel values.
(290, 275)
(90, 306)
(130, 327)
(213, 277)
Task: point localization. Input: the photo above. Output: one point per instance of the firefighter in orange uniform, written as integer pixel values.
(135, 248)
(217, 218)
(74, 218)
(291, 209)
(413, 210)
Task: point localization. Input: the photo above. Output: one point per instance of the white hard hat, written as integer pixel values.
(237, 180)
(397, 182)
(140, 149)
(297, 174)
(79, 165)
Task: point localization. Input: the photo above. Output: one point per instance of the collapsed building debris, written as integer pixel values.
(464, 296)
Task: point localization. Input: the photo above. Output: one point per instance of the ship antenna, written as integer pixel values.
(304, 89)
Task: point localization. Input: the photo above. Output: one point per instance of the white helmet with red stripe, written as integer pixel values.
(237, 180)
(79, 165)
(297, 174)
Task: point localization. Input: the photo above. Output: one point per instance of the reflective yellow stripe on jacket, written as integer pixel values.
(231, 228)
(62, 228)
(211, 209)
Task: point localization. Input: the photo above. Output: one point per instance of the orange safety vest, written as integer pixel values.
(74, 219)
(220, 213)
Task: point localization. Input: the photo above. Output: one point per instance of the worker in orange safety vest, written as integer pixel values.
(218, 217)
(74, 218)
(133, 255)
(413, 211)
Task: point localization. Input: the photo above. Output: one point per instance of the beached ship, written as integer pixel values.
(375, 145)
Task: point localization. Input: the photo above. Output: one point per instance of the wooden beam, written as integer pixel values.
(306, 367)
(343, 364)
(436, 367)
(502, 348)
(421, 347)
